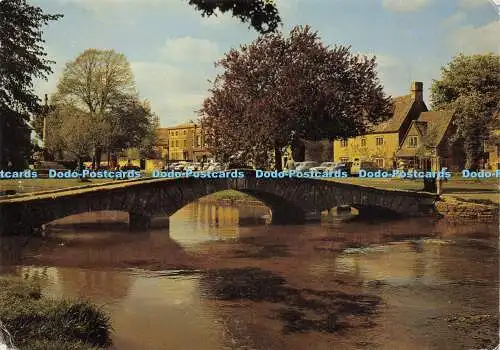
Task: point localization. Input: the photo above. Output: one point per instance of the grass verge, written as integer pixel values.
(37, 323)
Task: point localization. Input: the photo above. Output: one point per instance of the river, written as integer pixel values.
(219, 277)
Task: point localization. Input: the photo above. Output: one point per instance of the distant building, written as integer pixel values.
(381, 144)
(492, 150)
(426, 143)
(182, 142)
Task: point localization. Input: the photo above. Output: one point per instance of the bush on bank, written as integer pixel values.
(36, 322)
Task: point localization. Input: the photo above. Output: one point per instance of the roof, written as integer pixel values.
(401, 106)
(437, 124)
(183, 126)
(162, 134)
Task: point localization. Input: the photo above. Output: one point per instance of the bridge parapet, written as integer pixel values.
(289, 199)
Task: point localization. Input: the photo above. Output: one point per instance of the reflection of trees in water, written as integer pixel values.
(298, 310)
(11, 250)
(95, 284)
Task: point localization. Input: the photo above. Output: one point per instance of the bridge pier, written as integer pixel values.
(138, 222)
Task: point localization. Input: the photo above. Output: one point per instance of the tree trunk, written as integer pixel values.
(109, 155)
(98, 154)
(278, 158)
(298, 150)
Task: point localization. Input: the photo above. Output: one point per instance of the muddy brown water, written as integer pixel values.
(221, 278)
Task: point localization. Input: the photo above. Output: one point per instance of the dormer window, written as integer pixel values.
(413, 142)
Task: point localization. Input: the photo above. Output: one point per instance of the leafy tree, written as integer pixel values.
(262, 14)
(95, 82)
(22, 58)
(279, 90)
(471, 86)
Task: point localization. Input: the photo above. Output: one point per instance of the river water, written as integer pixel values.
(219, 277)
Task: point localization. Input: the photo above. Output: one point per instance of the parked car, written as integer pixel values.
(215, 167)
(325, 166)
(193, 166)
(344, 167)
(306, 166)
(181, 166)
(358, 165)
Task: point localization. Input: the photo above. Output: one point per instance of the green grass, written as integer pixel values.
(39, 185)
(228, 195)
(36, 322)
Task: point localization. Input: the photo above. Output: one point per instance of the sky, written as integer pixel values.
(172, 48)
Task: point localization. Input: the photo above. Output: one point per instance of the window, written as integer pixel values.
(176, 133)
(344, 159)
(184, 143)
(176, 143)
(413, 141)
(185, 132)
(171, 143)
(379, 141)
(379, 162)
(198, 141)
(363, 142)
(343, 143)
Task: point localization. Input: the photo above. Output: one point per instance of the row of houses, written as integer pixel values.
(413, 135)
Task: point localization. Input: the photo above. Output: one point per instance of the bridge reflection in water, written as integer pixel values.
(421, 281)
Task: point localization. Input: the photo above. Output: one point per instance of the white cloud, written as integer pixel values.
(384, 60)
(175, 92)
(472, 40)
(405, 5)
(188, 49)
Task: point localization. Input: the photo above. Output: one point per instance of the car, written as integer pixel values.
(344, 167)
(195, 166)
(215, 167)
(306, 166)
(325, 166)
(181, 166)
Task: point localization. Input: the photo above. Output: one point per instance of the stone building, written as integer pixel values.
(183, 142)
(382, 142)
(426, 145)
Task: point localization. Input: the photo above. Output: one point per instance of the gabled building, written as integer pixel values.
(427, 142)
(382, 142)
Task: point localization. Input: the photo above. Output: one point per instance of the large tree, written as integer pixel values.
(96, 82)
(262, 14)
(22, 59)
(471, 86)
(280, 89)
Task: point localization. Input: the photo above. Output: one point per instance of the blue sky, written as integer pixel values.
(172, 48)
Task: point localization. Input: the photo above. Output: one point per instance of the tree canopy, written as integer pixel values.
(470, 85)
(278, 89)
(96, 105)
(262, 14)
(22, 59)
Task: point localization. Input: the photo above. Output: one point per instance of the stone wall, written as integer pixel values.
(454, 209)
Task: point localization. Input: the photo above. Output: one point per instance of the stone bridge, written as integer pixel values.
(289, 199)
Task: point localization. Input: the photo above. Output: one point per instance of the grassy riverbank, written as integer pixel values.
(228, 195)
(39, 323)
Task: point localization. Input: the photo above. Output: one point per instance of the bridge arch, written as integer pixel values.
(288, 198)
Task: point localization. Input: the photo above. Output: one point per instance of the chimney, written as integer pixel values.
(417, 90)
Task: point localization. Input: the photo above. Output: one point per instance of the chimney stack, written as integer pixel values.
(417, 90)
